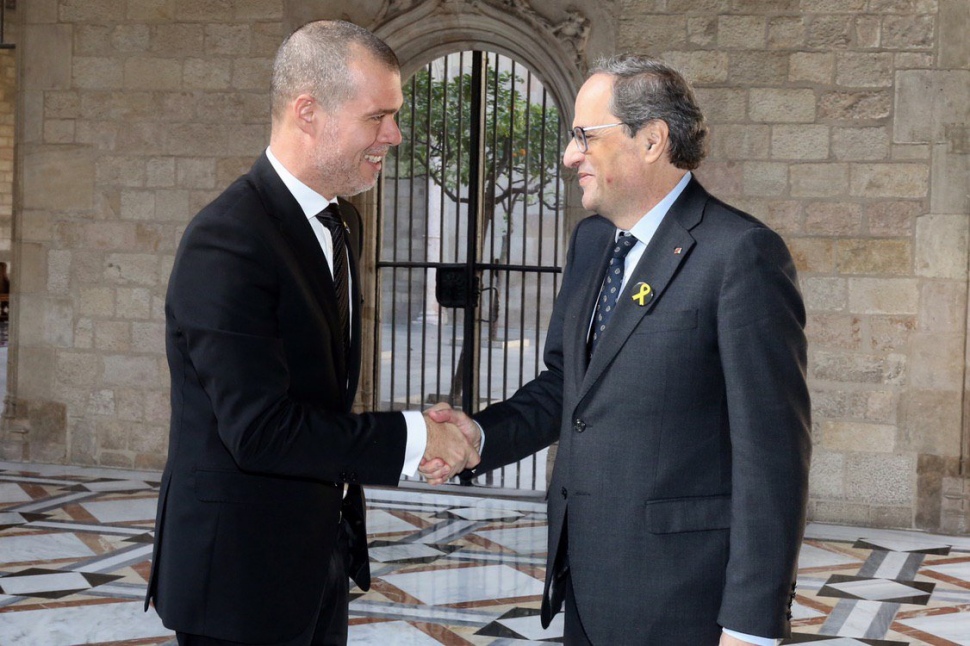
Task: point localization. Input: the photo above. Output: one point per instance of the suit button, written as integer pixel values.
(579, 426)
(565, 494)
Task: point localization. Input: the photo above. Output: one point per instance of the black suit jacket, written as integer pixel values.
(684, 441)
(262, 438)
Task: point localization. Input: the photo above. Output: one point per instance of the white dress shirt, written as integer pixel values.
(312, 203)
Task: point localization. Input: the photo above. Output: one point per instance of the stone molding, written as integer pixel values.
(420, 31)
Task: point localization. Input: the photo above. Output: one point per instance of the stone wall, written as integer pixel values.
(842, 124)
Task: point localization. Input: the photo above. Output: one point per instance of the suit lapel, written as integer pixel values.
(296, 229)
(668, 249)
(590, 273)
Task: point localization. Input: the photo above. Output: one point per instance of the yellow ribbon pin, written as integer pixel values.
(643, 295)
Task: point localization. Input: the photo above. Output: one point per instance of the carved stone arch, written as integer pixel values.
(420, 32)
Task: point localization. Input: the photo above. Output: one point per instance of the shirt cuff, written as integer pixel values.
(751, 639)
(417, 442)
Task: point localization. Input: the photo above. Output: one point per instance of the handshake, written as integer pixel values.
(454, 441)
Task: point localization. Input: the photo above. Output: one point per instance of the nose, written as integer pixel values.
(572, 156)
(390, 133)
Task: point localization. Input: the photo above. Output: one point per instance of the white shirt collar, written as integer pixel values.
(646, 226)
(309, 200)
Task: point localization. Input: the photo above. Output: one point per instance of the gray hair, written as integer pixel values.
(644, 89)
(315, 59)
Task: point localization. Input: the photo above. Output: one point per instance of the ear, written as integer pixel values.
(306, 111)
(653, 137)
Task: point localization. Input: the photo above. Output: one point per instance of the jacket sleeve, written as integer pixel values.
(761, 320)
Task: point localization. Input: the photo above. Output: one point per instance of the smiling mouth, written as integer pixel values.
(374, 159)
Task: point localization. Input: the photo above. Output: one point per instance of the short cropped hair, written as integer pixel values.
(644, 89)
(315, 59)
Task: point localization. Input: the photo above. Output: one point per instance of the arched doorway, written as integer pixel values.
(471, 239)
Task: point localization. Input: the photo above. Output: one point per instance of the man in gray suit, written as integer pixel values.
(675, 384)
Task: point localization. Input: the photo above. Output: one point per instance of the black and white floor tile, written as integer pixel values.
(448, 569)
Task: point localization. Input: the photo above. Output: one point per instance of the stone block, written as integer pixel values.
(134, 303)
(148, 336)
(776, 105)
(881, 256)
(741, 32)
(868, 31)
(723, 105)
(227, 39)
(890, 333)
(58, 178)
(892, 218)
(833, 218)
(130, 38)
(58, 271)
(889, 517)
(116, 459)
(131, 269)
(786, 32)
(101, 402)
(834, 331)
(83, 450)
(884, 295)
(844, 513)
(145, 72)
(943, 306)
(195, 172)
(131, 403)
(94, 11)
(184, 38)
(84, 334)
(151, 11)
(860, 144)
(784, 216)
(938, 361)
(113, 434)
(112, 336)
(926, 101)
(152, 461)
(889, 180)
(33, 269)
(826, 476)
(35, 369)
(193, 139)
(39, 11)
(951, 174)
(930, 422)
(859, 436)
(954, 22)
(145, 439)
(663, 31)
(862, 69)
(819, 180)
(824, 294)
(829, 32)
(723, 179)
(59, 131)
(77, 368)
(173, 206)
(97, 73)
(207, 74)
(58, 323)
(941, 246)
(811, 67)
(855, 106)
(125, 370)
(700, 66)
(203, 10)
(813, 254)
(252, 73)
(880, 479)
(843, 367)
(740, 142)
(160, 172)
(138, 205)
(701, 30)
(908, 32)
(800, 142)
(92, 40)
(253, 10)
(120, 170)
(765, 179)
(48, 57)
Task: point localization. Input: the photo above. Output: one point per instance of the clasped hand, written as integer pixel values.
(454, 441)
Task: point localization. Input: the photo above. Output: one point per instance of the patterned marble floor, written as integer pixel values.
(448, 569)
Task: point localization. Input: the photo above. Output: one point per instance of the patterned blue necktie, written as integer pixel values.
(610, 291)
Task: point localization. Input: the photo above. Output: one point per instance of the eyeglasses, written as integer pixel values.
(579, 135)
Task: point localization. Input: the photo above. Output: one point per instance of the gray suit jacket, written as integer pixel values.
(684, 444)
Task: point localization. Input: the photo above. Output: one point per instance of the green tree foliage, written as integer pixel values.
(521, 140)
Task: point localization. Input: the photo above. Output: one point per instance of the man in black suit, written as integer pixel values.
(675, 384)
(260, 515)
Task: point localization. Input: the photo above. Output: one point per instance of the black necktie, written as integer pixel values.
(610, 292)
(331, 219)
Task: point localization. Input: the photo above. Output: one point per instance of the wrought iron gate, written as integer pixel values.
(469, 257)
